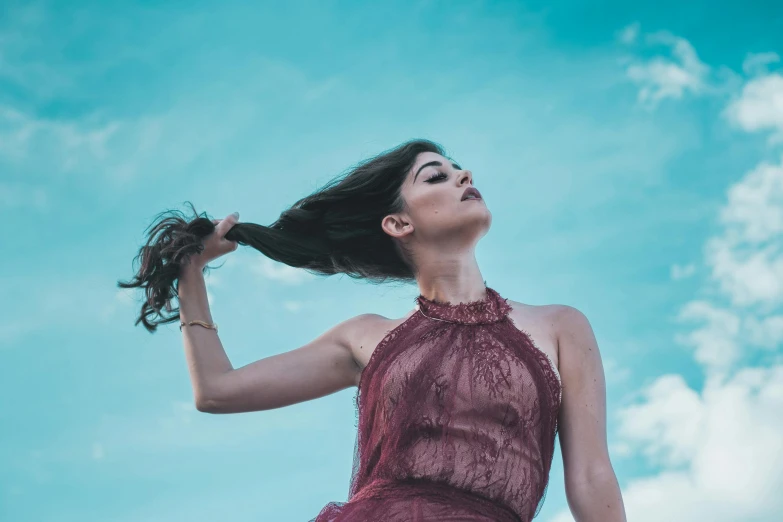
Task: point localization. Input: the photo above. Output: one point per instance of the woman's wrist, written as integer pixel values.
(189, 269)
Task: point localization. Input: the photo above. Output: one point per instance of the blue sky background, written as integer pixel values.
(631, 155)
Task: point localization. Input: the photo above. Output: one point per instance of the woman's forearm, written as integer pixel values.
(206, 358)
(599, 500)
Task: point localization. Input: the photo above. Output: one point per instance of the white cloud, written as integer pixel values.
(766, 332)
(746, 258)
(97, 451)
(115, 151)
(70, 141)
(19, 41)
(23, 196)
(668, 76)
(668, 425)
(682, 272)
(280, 272)
(748, 275)
(759, 107)
(756, 63)
(319, 89)
(755, 204)
(715, 341)
(183, 428)
(735, 463)
(629, 34)
(124, 299)
(293, 306)
(614, 371)
(721, 449)
(119, 149)
(14, 329)
(621, 449)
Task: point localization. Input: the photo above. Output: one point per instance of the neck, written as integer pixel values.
(450, 279)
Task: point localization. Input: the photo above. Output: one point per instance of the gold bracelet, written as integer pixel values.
(212, 326)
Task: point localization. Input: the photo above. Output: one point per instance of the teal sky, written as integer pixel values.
(631, 155)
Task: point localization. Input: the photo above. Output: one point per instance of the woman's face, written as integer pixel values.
(433, 193)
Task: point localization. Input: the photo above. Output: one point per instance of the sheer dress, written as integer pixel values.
(457, 417)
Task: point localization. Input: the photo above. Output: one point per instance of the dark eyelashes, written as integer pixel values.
(436, 177)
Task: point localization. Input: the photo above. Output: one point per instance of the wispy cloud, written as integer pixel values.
(293, 306)
(667, 423)
(758, 63)
(682, 272)
(715, 339)
(280, 272)
(20, 61)
(63, 302)
(182, 428)
(766, 332)
(759, 107)
(23, 135)
(670, 75)
(22, 195)
(747, 258)
(629, 34)
(718, 449)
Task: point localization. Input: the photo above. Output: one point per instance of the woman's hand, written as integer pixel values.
(215, 244)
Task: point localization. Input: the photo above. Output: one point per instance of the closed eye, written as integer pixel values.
(437, 177)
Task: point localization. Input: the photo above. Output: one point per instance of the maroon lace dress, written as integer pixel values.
(457, 417)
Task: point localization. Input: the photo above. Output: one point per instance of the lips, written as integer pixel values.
(470, 191)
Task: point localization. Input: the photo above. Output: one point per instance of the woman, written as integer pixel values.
(459, 402)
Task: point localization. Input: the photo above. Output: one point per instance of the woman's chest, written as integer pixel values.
(532, 321)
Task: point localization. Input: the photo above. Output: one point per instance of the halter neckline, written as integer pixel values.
(490, 309)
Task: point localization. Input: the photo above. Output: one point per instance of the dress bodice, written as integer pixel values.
(457, 417)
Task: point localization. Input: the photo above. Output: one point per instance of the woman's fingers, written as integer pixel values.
(225, 225)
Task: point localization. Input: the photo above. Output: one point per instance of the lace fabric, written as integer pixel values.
(456, 420)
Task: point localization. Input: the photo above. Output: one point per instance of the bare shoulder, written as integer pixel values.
(354, 329)
(538, 311)
(350, 334)
(569, 319)
(539, 322)
(557, 314)
(364, 332)
(552, 326)
(575, 334)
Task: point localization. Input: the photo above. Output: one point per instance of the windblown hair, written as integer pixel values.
(335, 230)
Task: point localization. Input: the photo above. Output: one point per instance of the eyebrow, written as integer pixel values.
(433, 163)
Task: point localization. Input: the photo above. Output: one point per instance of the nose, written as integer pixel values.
(466, 174)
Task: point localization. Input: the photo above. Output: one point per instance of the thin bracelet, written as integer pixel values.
(212, 326)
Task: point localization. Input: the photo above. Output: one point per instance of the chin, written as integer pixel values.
(487, 215)
(483, 221)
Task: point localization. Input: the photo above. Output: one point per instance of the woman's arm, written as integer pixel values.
(324, 366)
(592, 491)
(206, 358)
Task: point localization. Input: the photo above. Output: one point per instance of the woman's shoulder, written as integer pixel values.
(371, 325)
(556, 312)
(364, 331)
(547, 324)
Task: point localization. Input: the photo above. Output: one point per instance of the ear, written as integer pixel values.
(397, 225)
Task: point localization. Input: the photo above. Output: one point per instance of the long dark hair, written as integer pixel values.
(334, 230)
